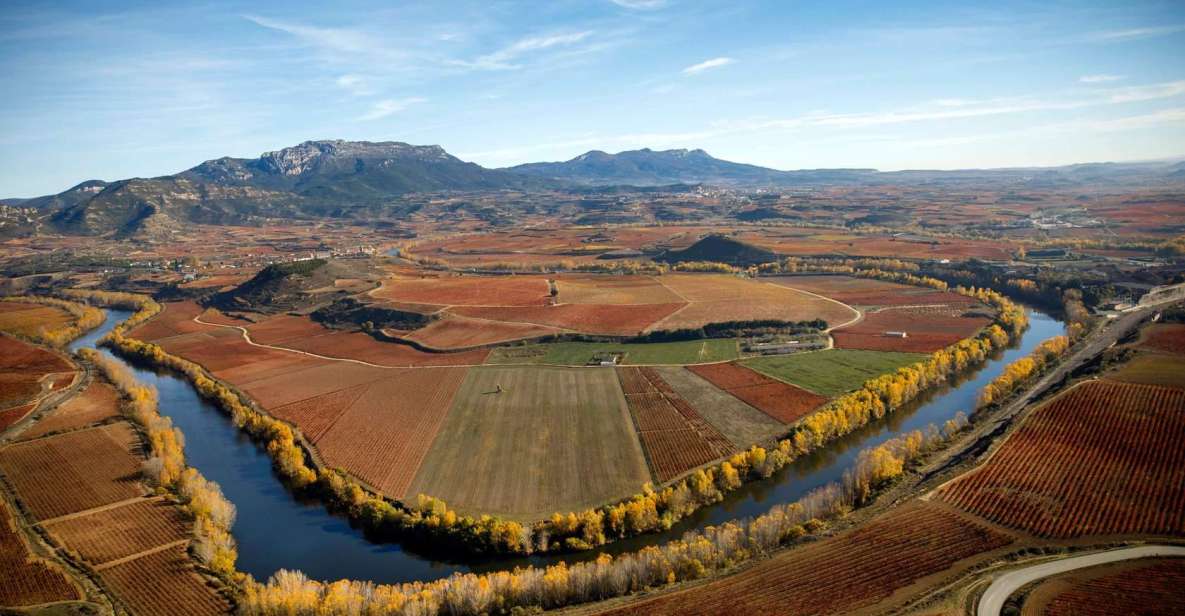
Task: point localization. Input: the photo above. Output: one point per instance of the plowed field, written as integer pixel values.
(111, 534)
(163, 583)
(779, 400)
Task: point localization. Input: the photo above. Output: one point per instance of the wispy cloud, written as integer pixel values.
(695, 69)
(640, 5)
(336, 39)
(1101, 78)
(504, 59)
(389, 106)
(1138, 33)
(355, 84)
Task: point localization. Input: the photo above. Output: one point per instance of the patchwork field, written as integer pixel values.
(581, 353)
(163, 583)
(71, 472)
(1149, 587)
(554, 439)
(914, 543)
(1103, 458)
(831, 372)
(785, 403)
(23, 367)
(27, 319)
(742, 424)
(111, 534)
(28, 580)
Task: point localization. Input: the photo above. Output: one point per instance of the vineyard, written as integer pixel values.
(27, 580)
(22, 366)
(1102, 458)
(75, 471)
(28, 319)
(111, 534)
(384, 434)
(614, 290)
(842, 573)
(1146, 588)
(163, 583)
(675, 437)
(728, 298)
(467, 290)
(779, 400)
(927, 330)
(1169, 337)
(623, 319)
(314, 416)
(456, 332)
(742, 424)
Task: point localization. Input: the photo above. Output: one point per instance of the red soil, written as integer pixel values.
(1168, 337)
(1103, 458)
(779, 400)
(927, 330)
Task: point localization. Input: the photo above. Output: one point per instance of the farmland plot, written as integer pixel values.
(22, 366)
(614, 290)
(467, 290)
(742, 424)
(28, 319)
(98, 402)
(831, 372)
(1102, 458)
(926, 330)
(623, 320)
(554, 439)
(674, 436)
(785, 403)
(1145, 587)
(729, 298)
(839, 574)
(163, 583)
(75, 471)
(27, 580)
(456, 332)
(111, 534)
(1167, 337)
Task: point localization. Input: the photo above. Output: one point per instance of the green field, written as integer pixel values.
(1152, 369)
(831, 372)
(580, 353)
(554, 439)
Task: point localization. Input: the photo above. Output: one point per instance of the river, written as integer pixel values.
(276, 530)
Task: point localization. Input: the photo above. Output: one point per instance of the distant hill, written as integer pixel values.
(647, 167)
(313, 179)
(720, 249)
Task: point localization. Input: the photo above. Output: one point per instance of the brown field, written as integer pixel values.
(25, 579)
(12, 415)
(457, 332)
(555, 439)
(29, 319)
(590, 318)
(75, 471)
(1149, 587)
(869, 292)
(273, 391)
(361, 347)
(176, 318)
(779, 400)
(1152, 369)
(98, 402)
(467, 290)
(724, 297)
(858, 568)
(1168, 337)
(316, 415)
(22, 366)
(614, 290)
(163, 583)
(927, 330)
(675, 438)
(119, 532)
(384, 435)
(742, 424)
(1103, 458)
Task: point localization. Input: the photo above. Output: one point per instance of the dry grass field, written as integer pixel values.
(26, 580)
(71, 472)
(1103, 458)
(554, 439)
(913, 544)
(28, 319)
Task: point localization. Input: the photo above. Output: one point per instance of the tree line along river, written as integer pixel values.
(276, 530)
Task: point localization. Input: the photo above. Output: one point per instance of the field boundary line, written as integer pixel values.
(101, 508)
(149, 552)
(859, 315)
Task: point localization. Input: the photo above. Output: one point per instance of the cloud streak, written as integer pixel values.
(389, 106)
(504, 59)
(1101, 78)
(696, 69)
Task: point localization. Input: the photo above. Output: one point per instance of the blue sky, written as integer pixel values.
(121, 89)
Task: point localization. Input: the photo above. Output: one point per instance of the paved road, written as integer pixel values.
(1002, 587)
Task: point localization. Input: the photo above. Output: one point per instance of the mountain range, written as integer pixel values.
(350, 178)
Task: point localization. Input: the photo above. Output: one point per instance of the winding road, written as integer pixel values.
(1002, 587)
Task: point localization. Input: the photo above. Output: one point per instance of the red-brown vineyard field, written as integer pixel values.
(1140, 587)
(926, 329)
(24, 579)
(1103, 458)
(779, 400)
(98, 402)
(22, 368)
(114, 533)
(163, 583)
(1168, 337)
(852, 570)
